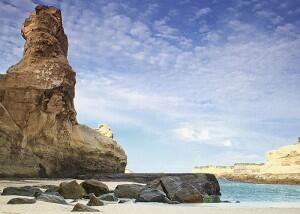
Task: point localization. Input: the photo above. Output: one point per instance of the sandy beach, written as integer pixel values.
(137, 208)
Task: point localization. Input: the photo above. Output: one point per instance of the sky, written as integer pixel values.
(181, 83)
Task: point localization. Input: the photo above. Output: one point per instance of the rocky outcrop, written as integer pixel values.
(282, 166)
(39, 132)
(283, 160)
(104, 130)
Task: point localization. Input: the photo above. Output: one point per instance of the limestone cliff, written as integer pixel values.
(39, 133)
(282, 166)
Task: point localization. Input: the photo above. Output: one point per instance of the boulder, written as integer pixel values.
(21, 201)
(152, 195)
(71, 190)
(94, 201)
(94, 186)
(108, 197)
(51, 198)
(39, 133)
(21, 191)
(187, 188)
(83, 208)
(128, 190)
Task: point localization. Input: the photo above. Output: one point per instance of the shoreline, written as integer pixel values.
(140, 207)
(281, 179)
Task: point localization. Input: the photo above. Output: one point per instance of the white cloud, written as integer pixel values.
(189, 134)
(202, 12)
(212, 133)
(270, 15)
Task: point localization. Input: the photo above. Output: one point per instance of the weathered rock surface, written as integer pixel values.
(71, 190)
(104, 130)
(82, 208)
(154, 195)
(128, 190)
(39, 132)
(94, 186)
(21, 191)
(21, 201)
(108, 197)
(187, 188)
(94, 201)
(51, 198)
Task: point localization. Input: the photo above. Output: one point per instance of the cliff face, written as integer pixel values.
(39, 133)
(282, 166)
(283, 160)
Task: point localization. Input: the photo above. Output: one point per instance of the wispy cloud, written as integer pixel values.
(212, 82)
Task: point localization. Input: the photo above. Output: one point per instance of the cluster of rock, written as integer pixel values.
(39, 132)
(169, 189)
(282, 166)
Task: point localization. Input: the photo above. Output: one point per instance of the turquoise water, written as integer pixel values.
(248, 192)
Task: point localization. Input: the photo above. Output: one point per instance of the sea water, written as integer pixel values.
(249, 192)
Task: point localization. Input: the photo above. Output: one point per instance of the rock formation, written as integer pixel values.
(282, 166)
(39, 133)
(104, 130)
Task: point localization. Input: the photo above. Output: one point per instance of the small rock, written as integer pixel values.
(122, 201)
(108, 197)
(51, 198)
(21, 191)
(71, 190)
(21, 201)
(128, 190)
(94, 201)
(94, 186)
(82, 208)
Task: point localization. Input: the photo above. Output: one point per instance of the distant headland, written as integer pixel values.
(282, 166)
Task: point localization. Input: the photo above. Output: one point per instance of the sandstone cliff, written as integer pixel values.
(282, 166)
(39, 133)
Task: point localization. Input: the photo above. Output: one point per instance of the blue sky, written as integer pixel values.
(181, 83)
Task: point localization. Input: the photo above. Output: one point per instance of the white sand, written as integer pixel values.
(142, 208)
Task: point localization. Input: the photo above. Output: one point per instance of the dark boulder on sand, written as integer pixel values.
(71, 190)
(94, 186)
(21, 201)
(21, 191)
(128, 190)
(187, 188)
